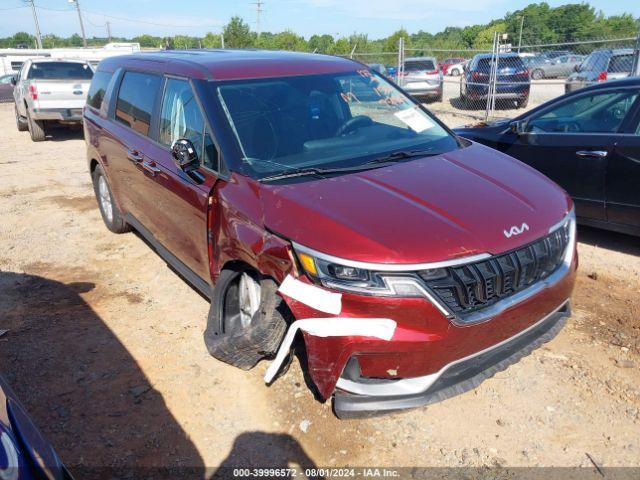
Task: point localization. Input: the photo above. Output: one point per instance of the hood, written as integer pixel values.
(424, 210)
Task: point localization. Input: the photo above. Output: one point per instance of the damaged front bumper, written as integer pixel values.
(358, 397)
(384, 353)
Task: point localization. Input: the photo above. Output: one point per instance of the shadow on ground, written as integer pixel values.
(83, 389)
(262, 450)
(620, 242)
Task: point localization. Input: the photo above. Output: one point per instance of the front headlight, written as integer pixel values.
(355, 278)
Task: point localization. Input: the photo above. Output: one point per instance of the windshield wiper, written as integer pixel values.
(297, 172)
(401, 155)
(387, 159)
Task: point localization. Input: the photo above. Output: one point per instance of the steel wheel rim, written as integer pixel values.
(248, 298)
(105, 198)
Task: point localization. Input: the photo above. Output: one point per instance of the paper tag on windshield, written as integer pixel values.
(414, 120)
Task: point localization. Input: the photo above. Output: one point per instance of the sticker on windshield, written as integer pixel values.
(414, 120)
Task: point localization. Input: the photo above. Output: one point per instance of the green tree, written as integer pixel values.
(391, 42)
(237, 34)
(148, 41)
(212, 40)
(320, 43)
(484, 39)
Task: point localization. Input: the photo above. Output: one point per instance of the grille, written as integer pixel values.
(474, 286)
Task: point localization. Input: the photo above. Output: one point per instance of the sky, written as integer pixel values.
(376, 18)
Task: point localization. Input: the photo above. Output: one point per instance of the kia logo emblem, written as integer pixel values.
(515, 230)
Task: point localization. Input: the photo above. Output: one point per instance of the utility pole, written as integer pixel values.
(35, 20)
(258, 4)
(520, 37)
(84, 37)
(109, 30)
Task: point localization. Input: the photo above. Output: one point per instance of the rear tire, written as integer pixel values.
(21, 123)
(243, 344)
(537, 74)
(522, 103)
(111, 215)
(36, 129)
(455, 72)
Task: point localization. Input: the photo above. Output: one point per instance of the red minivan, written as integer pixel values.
(307, 193)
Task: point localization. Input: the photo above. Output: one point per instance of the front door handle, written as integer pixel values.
(592, 153)
(134, 156)
(150, 166)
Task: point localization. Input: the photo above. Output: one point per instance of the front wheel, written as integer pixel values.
(455, 72)
(21, 124)
(522, 103)
(246, 320)
(111, 215)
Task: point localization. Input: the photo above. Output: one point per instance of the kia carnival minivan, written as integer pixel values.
(307, 193)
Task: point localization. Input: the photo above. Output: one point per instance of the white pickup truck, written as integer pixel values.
(50, 90)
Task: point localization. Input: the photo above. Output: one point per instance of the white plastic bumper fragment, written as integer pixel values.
(382, 328)
(315, 297)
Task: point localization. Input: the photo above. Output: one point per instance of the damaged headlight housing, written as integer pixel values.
(353, 277)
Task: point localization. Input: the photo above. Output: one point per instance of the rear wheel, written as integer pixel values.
(455, 72)
(20, 122)
(522, 103)
(36, 129)
(247, 318)
(537, 74)
(111, 215)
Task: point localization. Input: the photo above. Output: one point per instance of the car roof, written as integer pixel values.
(500, 55)
(228, 64)
(50, 59)
(417, 59)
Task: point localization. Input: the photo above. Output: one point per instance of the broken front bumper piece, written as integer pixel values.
(357, 397)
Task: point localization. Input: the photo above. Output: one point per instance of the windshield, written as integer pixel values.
(328, 120)
(60, 71)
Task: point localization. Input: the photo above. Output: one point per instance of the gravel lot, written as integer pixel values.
(105, 349)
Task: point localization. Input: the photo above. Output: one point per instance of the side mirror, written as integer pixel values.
(14, 80)
(185, 155)
(576, 68)
(519, 127)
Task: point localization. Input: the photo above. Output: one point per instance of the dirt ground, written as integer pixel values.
(104, 347)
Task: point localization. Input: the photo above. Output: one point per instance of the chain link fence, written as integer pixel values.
(467, 85)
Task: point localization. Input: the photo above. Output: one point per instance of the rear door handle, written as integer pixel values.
(592, 153)
(134, 156)
(150, 166)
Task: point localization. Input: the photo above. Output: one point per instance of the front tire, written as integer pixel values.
(241, 331)
(455, 72)
(522, 103)
(537, 74)
(111, 215)
(36, 129)
(21, 124)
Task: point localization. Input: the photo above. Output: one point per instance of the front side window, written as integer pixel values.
(601, 112)
(328, 120)
(181, 118)
(98, 88)
(136, 97)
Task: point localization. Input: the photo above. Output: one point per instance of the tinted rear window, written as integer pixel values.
(419, 66)
(60, 71)
(98, 88)
(135, 100)
(620, 64)
(503, 62)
